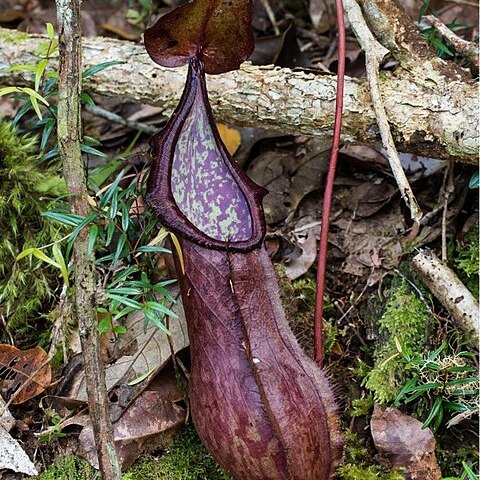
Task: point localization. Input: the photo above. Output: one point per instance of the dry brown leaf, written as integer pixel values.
(288, 176)
(307, 241)
(231, 137)
(18, 368)
(401, 440)
(119, 31)
(322, 13)
(150, 423)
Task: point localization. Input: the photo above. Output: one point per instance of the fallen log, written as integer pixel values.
(450, 292)
(436, 119)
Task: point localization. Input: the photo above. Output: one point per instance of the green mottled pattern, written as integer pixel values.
(203, 186)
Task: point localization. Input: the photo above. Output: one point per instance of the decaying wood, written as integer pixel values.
(69, 132)
(450, 292)
(432, 114)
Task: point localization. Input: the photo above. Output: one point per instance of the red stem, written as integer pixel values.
(327, 198)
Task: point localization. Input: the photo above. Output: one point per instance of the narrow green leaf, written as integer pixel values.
(87, 99)
(8, 90)
(110, 228)
(32, 93)
(121, 243)
(57, 255)
(161, 308)
(92, 238)
(119, 329)
(71, 219)
(98, 68)
(127, 291)
(125, 301)
(113, 209)
(24, 253)
(35, 106)
(89, 219)
(471, 475)
(125, 217)
(50, 30)
(141, 378)
(92, 141)
(23, 67)
(42, 64)
(48, 129)
(45, 258)
(153, 248)
(92, 151)
(153, 318)
(474, 181)
(111, 190)
(435, 410)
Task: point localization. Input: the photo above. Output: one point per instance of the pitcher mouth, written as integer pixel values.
(195, 186)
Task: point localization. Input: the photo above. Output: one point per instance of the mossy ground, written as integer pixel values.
(186, 459)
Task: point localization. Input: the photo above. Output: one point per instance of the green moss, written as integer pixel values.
(13, 36)
(187, 459)
(25, 190)
(466, 259)
(403, 321)
(361, 407)
(373, 472)
(357, 464)
(70, 467)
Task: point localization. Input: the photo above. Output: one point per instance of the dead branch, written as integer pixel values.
(69, 132)
(375, 53)
(439, 121)
(450, 292)
(469, 49)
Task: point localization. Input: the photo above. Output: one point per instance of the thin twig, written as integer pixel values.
(469, 49)
(69, 135)
(464, 2)
(113, 117)
(374, 55)
(448, 189)
(271, 16)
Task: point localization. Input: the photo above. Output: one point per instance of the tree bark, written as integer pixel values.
(69, 138)
(432, 113)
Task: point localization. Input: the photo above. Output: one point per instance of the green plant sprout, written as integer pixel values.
(45, 91)
(124, 239)
(444, 381)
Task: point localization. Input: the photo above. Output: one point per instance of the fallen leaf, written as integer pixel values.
(150, 423)
(119, 31)
(288, 177)
(401, 440)
(6, 419)
(322, 14)
(18, 368)
(12, 455)
(307, 241)
(231, 137)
